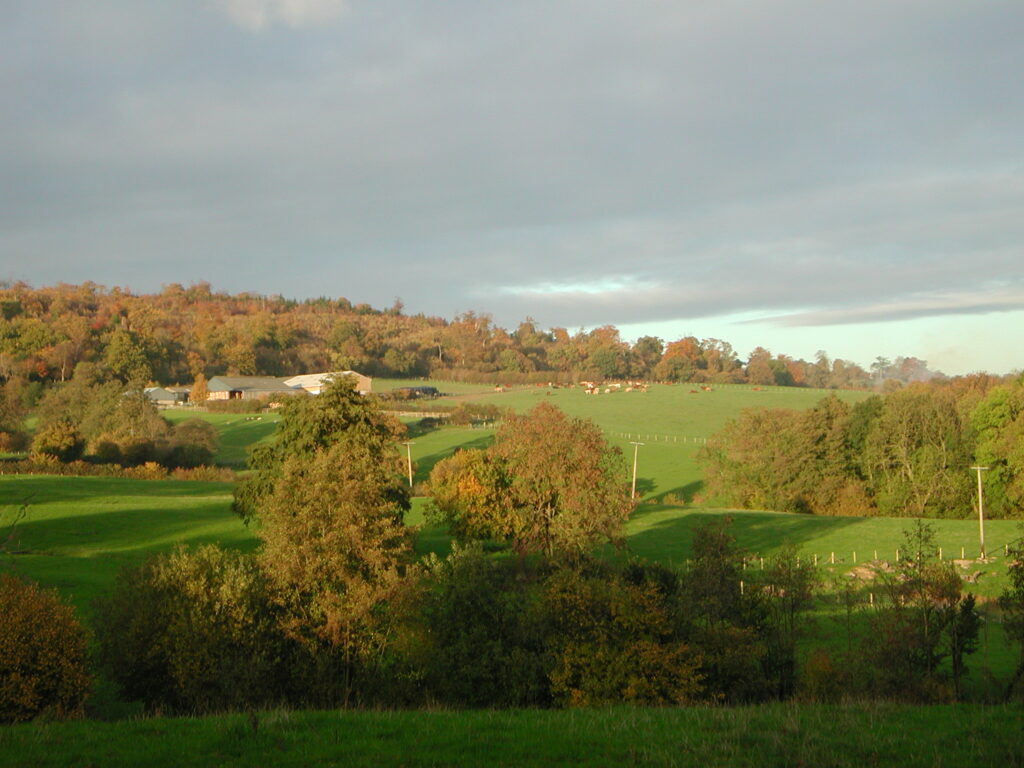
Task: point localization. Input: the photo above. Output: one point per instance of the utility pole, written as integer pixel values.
(636, 449)
(408, 456)
(981, 510)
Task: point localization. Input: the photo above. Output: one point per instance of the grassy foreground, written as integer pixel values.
(771, 735)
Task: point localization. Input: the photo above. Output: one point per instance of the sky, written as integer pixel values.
(845, 175)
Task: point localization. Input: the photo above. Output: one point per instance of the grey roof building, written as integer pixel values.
(248, 387)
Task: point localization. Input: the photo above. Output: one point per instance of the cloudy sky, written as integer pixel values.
(801, 174)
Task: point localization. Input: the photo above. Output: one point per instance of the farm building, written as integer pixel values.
(166, 396)
(263, 387)
(248, 387)
(313, 383)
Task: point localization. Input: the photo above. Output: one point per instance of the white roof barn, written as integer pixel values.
(315, 382)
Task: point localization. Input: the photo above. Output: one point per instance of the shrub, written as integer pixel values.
(488, 643)
(615, 640)
(13, 441)
(194, 631)
(60, 439)
(42, 654)
(206, 474)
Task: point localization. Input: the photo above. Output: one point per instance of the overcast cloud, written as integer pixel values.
(811, 164)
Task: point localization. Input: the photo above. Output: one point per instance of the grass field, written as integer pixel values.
(669, 420)
(237, 431)
(78, 532)
(757, 737)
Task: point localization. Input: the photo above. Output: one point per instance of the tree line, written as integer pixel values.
(908, 453)
(98, 418)
(334, 608)
(180, 333)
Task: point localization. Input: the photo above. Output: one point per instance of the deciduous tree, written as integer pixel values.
(339, 414)
(549, 483)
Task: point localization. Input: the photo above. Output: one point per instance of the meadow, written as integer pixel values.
(856, 735)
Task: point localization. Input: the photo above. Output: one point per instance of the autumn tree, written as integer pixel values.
(549, 483)
(43, 654)
(334, 547)
(200, 391)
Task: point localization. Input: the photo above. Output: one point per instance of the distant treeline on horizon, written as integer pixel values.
(174, 335)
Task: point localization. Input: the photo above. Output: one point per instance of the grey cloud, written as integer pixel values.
(779, 157)
(930, 306)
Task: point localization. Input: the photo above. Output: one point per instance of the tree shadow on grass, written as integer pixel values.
(680, 494)
(142, 530)
(665, 533)
(45, 489)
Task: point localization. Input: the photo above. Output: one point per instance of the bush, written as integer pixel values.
(60, 439)
(194, 631)
(488, 643)
(42, 654)
(13, 441)
(48, 465)
(615, 640)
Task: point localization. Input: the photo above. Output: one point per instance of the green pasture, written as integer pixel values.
(78, 532)
(855, 735)
(383, 386)
(668, 410)
(663, 534)
(671, 420)
(237, 432)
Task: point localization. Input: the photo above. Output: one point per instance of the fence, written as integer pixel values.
(648, 437)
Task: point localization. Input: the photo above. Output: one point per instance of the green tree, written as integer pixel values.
(339, 414)
(645, 355)
(727, 621)
(614, 639)
(998, 421)
(549, 483)
(924, 620)
(788, 591)
(794, 461)
(916, 455)
(1011, 601)
(126, 357)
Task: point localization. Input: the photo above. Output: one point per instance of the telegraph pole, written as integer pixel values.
(408, 456)
(981, 510)
(636, 449)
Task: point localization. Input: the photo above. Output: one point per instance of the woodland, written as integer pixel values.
(180, 333)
